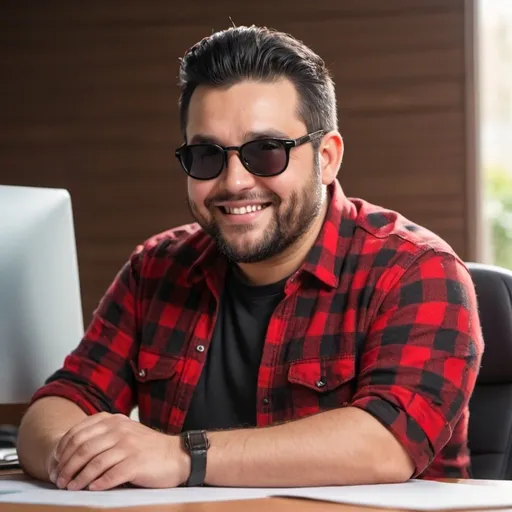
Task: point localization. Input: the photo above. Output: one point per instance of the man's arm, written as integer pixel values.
(418, 370)
(338, 447)
(44, 424)
(95, 377)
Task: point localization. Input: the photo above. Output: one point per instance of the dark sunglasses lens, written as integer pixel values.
(264, 157)
(202, 161)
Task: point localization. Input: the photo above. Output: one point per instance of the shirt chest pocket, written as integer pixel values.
(321, 384)
(157, 377)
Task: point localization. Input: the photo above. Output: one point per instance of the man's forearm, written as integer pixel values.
(45, 422)
(339, 447)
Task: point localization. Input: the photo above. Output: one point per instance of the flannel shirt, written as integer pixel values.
(381, 315)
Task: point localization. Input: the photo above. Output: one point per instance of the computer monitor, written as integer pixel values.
(40, 306)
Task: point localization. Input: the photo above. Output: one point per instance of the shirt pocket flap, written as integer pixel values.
(322, 374)
(152, 366)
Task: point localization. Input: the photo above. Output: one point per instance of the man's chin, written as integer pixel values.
(242, 251)
(248, 239)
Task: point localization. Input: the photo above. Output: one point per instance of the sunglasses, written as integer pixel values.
(262, 157)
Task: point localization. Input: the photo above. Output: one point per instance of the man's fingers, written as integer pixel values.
(52, 469)
(92, 446)
(117, 475)
(86, 423)
(82, 442)
(96, 467)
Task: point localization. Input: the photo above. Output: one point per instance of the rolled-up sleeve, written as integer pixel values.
(97, 375)
(422, 354)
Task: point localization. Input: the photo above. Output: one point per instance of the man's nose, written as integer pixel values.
(235, 176)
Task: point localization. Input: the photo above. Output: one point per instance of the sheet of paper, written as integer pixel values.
(414, 495)
(12, 491)
(21, 483)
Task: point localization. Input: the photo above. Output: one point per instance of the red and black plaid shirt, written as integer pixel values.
(381, 315)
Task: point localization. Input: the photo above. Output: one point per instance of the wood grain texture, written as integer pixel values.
(11, 414)
(88, 102)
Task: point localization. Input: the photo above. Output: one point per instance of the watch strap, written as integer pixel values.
(196, 443)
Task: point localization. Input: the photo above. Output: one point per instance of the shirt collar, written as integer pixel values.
(324, 259)
(210, 265)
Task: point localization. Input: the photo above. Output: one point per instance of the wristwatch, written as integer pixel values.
(196, 444)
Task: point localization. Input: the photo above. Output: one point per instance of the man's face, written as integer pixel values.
(253, 218)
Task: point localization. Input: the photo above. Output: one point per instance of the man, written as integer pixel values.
(293, 337)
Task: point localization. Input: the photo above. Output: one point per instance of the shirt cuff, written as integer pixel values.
(409, 427)
(71, 392)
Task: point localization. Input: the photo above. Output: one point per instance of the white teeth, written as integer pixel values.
(244, 209)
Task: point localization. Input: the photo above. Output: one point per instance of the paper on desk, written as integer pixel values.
(34, 492)
(413, 495)
(20, 483)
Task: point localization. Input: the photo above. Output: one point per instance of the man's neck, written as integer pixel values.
(285, 264)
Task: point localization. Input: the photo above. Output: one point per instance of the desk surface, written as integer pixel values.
(257, 505)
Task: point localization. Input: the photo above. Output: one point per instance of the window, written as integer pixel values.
(495, 89)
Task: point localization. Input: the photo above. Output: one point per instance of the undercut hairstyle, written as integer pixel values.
(257, 53)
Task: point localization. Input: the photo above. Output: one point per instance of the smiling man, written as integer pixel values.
(291, 337)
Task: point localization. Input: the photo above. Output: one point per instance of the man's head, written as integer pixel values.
(253, 85)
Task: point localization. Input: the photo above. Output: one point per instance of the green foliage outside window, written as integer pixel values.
(498, 206)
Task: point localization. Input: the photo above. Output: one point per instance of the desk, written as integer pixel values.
(11, 414)
(258, 505)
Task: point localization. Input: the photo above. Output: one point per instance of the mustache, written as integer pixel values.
(222, 197)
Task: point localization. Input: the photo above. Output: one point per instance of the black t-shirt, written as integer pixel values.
(225, 396)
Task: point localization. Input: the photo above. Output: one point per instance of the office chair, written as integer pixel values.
(490, 421)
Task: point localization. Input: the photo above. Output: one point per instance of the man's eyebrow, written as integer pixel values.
(204, 138)
(266, 134)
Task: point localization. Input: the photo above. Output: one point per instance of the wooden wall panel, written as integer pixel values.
(88, 102)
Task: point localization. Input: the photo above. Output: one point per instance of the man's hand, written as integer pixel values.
(105, 451)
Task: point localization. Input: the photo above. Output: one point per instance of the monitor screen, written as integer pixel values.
(40, 306)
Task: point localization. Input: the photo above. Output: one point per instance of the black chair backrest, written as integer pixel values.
(490, 421)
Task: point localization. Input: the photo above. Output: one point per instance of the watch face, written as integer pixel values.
(196, 440)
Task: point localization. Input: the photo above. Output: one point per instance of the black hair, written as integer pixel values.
(258, 53)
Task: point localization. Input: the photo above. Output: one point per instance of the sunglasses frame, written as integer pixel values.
(287, 144)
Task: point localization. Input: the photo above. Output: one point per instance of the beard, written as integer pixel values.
(286, 226)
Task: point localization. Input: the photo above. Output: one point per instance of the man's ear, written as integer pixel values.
(331, 155)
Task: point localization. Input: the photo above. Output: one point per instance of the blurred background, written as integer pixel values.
(88, 102)
(495, 129)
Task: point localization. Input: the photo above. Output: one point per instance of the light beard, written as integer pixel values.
(282, 231)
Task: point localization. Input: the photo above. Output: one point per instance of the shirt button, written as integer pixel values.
(142, 373)
(200, 348)
(266, 401)
(320, 383)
